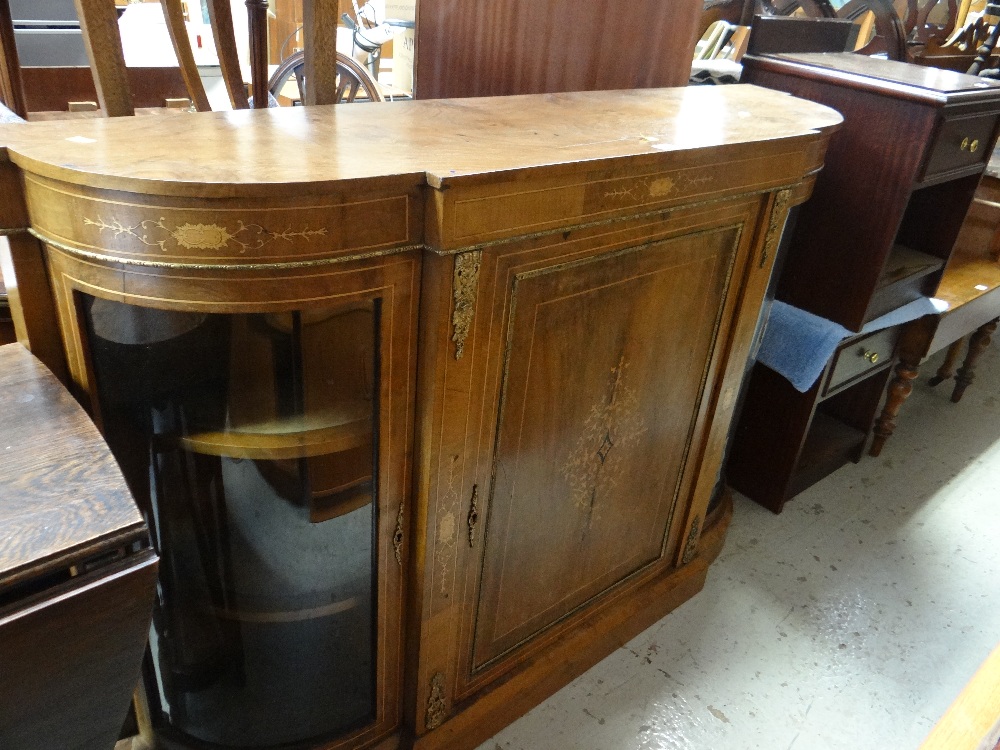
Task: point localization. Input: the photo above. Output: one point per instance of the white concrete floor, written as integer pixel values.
(851, 620)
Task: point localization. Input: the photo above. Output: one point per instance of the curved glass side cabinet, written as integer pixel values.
(251, 440)
(263, 419)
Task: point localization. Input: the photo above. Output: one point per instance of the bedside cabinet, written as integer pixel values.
(875, 236)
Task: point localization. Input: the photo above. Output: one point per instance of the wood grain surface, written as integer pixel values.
(874, 192)
(888, 205)
(265, 153)
(99, 24)
(61, 492)
(71, 658)
(49, 90)
(173, 14)
(972, 722)
(11, 87)
(503, 47)
(220, 15)
(319, 21)
(896, 79)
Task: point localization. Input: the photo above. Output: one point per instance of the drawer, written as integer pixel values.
(859, 356)
(961, 142)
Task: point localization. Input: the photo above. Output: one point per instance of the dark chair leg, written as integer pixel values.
(947, 368)
(900, 388)
(978, 342)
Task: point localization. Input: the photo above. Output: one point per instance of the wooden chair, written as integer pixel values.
(969, 49)
(11, 89)
(98, 21)
(918, 25)
(877, 19)
(115, 86)
(113, 83)
(351, 80)
(881, 29)
(971, 287)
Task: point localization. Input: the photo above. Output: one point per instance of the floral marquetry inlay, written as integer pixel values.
(658, 186)
(612, 428)
(201, 236)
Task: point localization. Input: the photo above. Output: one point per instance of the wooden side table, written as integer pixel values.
(970, 289)
(77, 574)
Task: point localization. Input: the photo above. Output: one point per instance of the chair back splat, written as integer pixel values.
(221, 17)
(99, 24)
(174, 14)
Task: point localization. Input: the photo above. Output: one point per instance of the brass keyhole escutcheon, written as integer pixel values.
(974, 146)
(870, 356)
(965, 143)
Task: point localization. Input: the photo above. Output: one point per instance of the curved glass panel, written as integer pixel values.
(249, 440)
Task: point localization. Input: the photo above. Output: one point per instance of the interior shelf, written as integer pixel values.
(287, 616)
(342, 427)
(828, 446)
(906, 265)
(906, 277)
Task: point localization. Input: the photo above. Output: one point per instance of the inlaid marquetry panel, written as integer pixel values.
(248, 231)
(594, 426)
(480, 214)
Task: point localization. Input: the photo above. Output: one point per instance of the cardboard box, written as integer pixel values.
(402, 60)
(404, 10)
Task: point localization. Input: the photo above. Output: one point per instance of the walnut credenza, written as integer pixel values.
(425, 403)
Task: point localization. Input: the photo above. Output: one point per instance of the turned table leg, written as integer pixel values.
(899, 389)
(947, 368)
(978, 342)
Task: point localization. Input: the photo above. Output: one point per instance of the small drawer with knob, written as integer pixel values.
(856, 357)
(961, 142)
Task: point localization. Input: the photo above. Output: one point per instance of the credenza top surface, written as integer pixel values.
(249, 151)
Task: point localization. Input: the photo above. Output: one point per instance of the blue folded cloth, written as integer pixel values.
(910, 311)
(797, 344)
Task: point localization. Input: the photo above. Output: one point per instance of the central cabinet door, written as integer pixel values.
(580, 382)
(604, 359)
